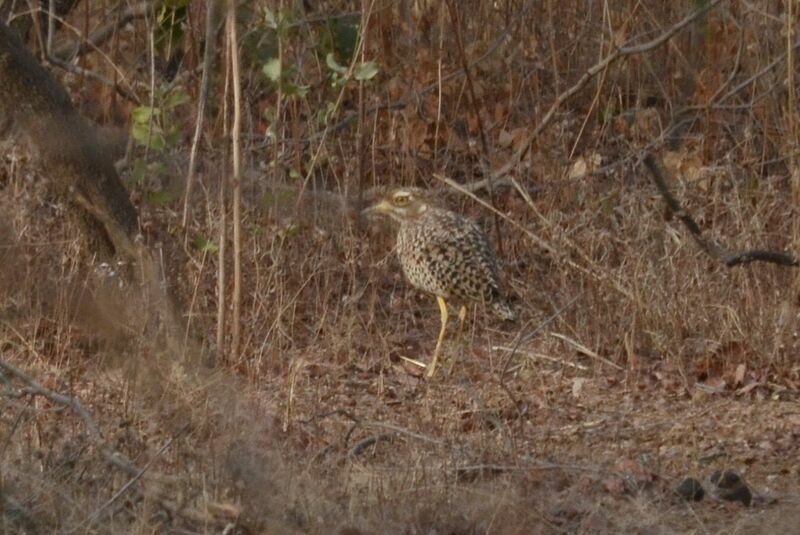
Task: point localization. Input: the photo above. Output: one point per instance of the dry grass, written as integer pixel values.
(652, 360)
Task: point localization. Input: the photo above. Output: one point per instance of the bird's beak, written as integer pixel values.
(382, 207)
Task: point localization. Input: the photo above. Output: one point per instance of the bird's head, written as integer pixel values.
(403, 204)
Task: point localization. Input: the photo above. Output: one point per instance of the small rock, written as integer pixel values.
(690, 490)
(730, 486)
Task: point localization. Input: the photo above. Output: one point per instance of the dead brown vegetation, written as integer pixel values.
(640, 359)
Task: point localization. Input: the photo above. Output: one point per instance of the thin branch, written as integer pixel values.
(361, 446)
(209, 51)
(402, 103)
(236, 158)
(115, 458)
(473, 101)
(715, 250)
(68, 51)
(593, 71)
(99, 511)
(77, 69)
(757, 255)
(593, 272)
(36, 389)
(403, 431)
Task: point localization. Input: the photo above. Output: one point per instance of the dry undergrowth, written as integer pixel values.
(639, 360)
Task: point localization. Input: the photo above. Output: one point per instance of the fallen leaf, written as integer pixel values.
(578, 168)
(738, 378)
(577, 386)
(504, 139)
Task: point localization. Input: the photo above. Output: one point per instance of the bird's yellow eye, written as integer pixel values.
(401, 199)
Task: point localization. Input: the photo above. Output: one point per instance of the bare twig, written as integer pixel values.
(473, 101)
(68, 51)
(529, 335)
(593, 271)
(36, 389)
(77, 69)
(209, 51)
(403, 431)
(756, 255)
(585, 350)
(359, 448)
(102, 509)
(593, 71)
(540, 356)
(236, 156)
(115, 458)
(713, 249)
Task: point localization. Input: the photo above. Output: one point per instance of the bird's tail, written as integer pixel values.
(504, 309)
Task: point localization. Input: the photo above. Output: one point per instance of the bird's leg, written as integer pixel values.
(462, 316)
(443, 310)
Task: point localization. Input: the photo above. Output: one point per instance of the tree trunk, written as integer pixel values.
(35, 107)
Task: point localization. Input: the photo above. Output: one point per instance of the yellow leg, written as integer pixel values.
(443, 310)
(462, 316)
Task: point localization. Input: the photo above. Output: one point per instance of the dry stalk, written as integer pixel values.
(236, 157)
(209, 51)
(473, 101)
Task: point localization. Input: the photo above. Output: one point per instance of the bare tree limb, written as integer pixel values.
(209, 51)
(715, 250)
(68, 51)
(118, 460)
(757, 255)
(103, 508)
(593, 71)
(77, 69)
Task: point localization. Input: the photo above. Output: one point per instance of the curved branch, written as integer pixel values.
(715, 250)
(593, 71)
(69, 51)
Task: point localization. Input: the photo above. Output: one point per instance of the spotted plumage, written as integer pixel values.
(449, 256)
(444, 254)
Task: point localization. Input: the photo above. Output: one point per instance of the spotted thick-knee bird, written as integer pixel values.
(445, 254)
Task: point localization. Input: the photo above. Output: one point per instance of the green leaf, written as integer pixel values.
(160, 198)
(366, 71)
(288, 230)
(173, 137)
(327, 113)
(330, 61)
(139, 171)
(345, 36)
(142, 114)
(147, 137)
(177, 97)
(270, 19)
(157, 141)
(204, 245)
(272, 69)
(140, 132)
(292, 90)
(176, 4)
